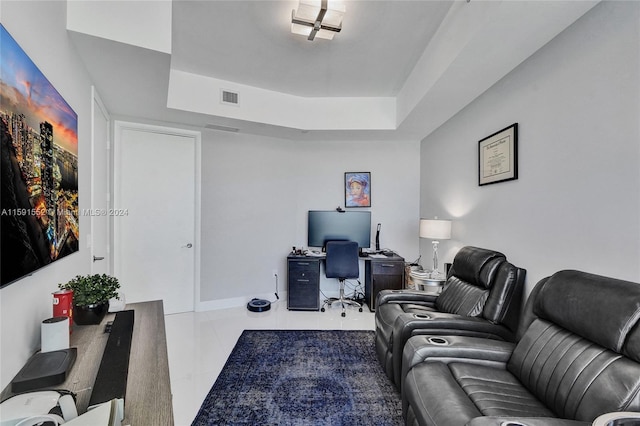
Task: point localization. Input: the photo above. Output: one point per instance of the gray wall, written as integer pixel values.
(256, 192)
(576, 203)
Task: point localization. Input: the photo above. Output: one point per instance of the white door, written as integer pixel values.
(100, 160)
(155, 198)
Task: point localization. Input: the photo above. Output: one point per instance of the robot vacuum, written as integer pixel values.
(258, 305)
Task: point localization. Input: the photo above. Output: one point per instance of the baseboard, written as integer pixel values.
(234, 302)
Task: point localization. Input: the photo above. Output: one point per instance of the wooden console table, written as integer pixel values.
(148, 399)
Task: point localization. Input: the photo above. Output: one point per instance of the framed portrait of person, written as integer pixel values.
(357, 189)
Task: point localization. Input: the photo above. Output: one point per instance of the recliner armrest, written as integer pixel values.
(618, 418)
(406, 296)
(474, 350)
(440, 323)
(524, 421)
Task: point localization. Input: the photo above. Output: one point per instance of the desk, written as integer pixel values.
(148, 398)
(303, 292)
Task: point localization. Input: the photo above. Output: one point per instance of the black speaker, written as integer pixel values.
(111, 379)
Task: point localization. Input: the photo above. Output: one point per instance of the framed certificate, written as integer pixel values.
(498, 156)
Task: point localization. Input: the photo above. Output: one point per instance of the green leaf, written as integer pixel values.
(92, 289)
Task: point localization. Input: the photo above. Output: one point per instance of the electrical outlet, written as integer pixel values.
(274, 272)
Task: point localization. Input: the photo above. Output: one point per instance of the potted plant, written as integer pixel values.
(91, 294)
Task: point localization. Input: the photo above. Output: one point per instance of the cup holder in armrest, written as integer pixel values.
(627, 421)
(621, 418)
(422, 316)
(439, 341)
(512, 424)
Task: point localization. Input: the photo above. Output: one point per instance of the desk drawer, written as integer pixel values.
(302, 277)
(304, 271)
(304, 265)
(387, 268)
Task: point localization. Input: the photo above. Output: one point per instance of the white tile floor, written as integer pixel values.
(200, 342)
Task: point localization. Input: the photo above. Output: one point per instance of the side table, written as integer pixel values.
(423, 281)
(382, 274)
(431, 285)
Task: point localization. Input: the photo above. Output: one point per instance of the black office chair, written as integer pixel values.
(342, 263)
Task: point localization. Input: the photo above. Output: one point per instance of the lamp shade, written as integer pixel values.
(435, 229)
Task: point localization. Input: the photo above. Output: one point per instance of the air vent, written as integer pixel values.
(229, 98)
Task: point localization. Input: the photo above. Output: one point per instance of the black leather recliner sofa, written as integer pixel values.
(482, 297)
(577, 357)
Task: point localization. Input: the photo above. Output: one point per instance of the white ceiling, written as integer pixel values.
(250, 42)
(433, 57)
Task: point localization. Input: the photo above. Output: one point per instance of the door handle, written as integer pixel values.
(188, 246)
(96, 258)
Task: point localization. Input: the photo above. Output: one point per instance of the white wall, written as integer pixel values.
(39, 28)
(256, 192)
(576, 203)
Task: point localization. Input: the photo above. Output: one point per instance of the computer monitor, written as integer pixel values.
(327, 225)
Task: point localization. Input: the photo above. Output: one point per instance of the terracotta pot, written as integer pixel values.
(90, 314)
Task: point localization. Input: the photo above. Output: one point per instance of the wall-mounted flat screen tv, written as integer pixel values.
(38, 167)
(327, 225)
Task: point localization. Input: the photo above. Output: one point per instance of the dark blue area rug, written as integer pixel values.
(307, 377)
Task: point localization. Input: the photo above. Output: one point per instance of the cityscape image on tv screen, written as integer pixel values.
(39, 167)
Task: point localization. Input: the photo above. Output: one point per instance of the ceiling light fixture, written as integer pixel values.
(317, 18)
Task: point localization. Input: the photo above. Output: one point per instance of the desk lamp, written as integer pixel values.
(435, 230)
